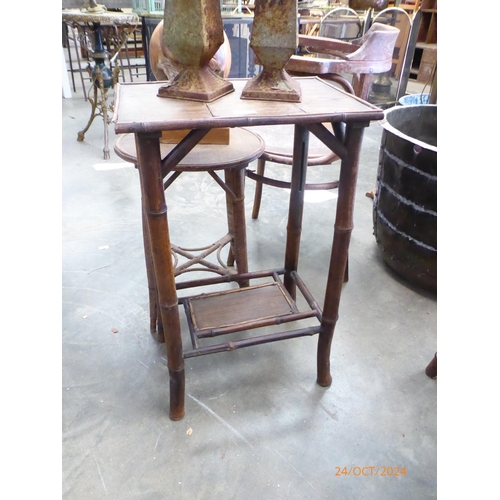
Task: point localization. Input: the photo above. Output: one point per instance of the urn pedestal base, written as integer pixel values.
(196, 84)
(273, 85)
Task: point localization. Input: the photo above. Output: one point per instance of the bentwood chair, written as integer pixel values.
(232, 157)
(332, 60)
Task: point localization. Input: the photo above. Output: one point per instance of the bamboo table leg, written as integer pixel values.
(149, 161)
(294, 226)
(340, 246)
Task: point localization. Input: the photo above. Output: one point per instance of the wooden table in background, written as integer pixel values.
(89, 26)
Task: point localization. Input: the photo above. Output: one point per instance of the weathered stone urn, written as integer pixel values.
(274, 40)
(193, 32)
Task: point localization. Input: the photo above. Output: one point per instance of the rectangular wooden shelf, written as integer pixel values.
(239, 307)
(244, 309)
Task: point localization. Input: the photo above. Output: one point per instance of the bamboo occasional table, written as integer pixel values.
(139, 111)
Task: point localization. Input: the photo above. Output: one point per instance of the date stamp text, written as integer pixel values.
(371, 470)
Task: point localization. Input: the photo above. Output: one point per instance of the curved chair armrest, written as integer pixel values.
(377, 44)
(324, 45)
(371, 53)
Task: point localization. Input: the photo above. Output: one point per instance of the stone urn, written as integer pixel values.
(165, 67)
(274, 40)
(193, 33)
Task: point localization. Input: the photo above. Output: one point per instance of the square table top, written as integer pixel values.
(139, 109)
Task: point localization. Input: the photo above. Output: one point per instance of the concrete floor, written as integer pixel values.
(256, 425)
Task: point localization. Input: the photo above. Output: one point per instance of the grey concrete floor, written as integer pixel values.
(256, 425)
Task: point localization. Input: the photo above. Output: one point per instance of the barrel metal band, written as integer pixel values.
(396, 230)
(401, 163)
(406, 201)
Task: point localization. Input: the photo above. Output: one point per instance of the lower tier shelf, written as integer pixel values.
(247, 308)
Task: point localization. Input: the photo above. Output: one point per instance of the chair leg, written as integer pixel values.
(235, 179)
(362, 84)
(153, 313)
(155, 322)
(230, 256)
(261, 166)
(229, 178)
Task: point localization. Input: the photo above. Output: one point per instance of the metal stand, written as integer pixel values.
(102, 80)
(103, 74)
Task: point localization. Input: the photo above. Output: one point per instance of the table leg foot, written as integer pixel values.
(106, 154)
(177, 390)
(152, 326)
(324, 382)
(431, 369)
(324, 377)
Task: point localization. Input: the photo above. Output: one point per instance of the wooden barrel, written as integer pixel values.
(405, 203)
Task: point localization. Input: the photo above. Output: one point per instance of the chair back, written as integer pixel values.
(341, 23)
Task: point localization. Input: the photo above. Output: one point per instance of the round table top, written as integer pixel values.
(105, 17)
(244, 146)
